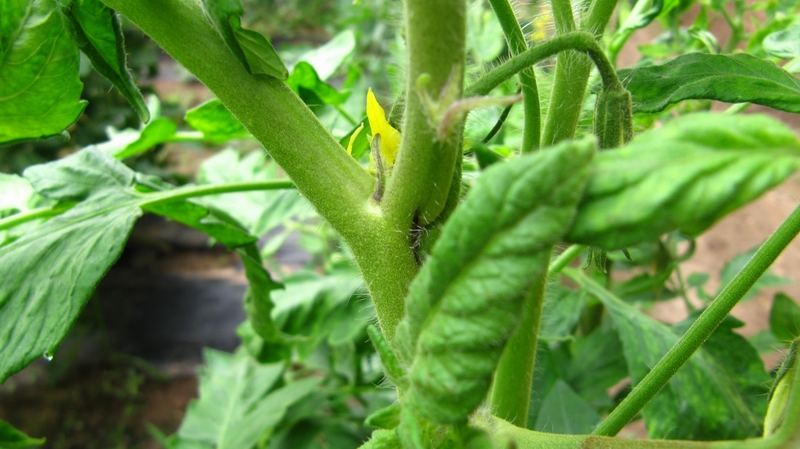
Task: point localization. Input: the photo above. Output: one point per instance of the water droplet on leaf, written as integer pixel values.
(47, 356)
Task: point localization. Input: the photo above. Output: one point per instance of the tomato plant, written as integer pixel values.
(459, 281)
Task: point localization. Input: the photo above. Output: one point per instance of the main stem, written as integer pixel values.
(420, 182)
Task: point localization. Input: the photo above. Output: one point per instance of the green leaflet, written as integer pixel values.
(251, 48)
(215, 121)
(39, 85)
(17, 197)
(329, 57)
(156, 132)
(684, 176)
(96, 30)
(213, 222)
(11, 438)
(563, 411)
(50, 273)
(466, 300)
(735, 78)
(784, 319)
(784, 43)
(304, 81)
(385, 418)
(718, 394)
(257, 302)
(240, 401)
(259, 211)
(51, 270)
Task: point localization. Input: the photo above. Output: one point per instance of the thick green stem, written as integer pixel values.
(511, 389)
(531, 133)
(578, 40)
(338, 187)
(572, 71)
(699, 331)
(324, 173)
(435, 36)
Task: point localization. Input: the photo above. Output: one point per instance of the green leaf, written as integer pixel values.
(79, 176)
(258, 211)
(552, 362)
(309, 310)
(718, 394)
(467, 298)
(385, 418)
(215, 121)
(156, 132)
(39, 85)
(305, 78)
(50, 273)
(735, 265)
(563, 411)
(685, 176)
(257, 302)
(597, 364)
(52, 270)
(765, 342)
(562, 311)
(251, 48)
(327, 58)
(215, 223)
(240, 401)
(735, 78)
(784, 319)
(96, 30)
(11, 438)
(17, 196)
(785, 43)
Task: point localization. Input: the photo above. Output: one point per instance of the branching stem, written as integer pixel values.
(578, 40)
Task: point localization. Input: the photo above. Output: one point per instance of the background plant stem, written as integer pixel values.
(532, 130)
(572, 70)
(699, 331)
(182, 193)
